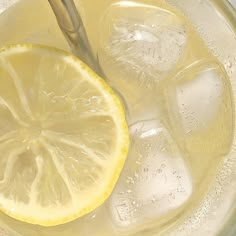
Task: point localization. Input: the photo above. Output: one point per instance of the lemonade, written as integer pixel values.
(177, 85)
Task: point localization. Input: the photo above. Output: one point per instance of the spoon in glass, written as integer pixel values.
(72, 27)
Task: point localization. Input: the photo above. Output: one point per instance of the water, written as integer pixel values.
(179, 105)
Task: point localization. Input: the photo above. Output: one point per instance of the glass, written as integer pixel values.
(202, 15)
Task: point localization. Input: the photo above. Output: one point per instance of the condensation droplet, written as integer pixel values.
(138, 162)
(136, 175)
(228, 64)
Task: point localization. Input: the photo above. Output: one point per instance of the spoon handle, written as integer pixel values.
(73, 29)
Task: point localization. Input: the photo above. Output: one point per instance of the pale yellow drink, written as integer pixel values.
(179, 108)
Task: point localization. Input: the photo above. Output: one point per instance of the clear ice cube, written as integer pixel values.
(139, 45)
(200, 103)
(200, 112)
(155, 180)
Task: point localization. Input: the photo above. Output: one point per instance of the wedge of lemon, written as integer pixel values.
(63, 136)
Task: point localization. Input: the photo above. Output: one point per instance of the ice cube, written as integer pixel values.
(200, 111)
(138, 35)
(139, 44)
(155, 180)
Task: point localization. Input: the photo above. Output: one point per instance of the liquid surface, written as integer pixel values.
(179, 108)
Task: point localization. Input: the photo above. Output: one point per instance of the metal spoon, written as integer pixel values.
(72, 26)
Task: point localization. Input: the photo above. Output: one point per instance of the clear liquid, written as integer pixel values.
(179, 109)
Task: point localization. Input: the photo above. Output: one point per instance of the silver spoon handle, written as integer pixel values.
(73, 29)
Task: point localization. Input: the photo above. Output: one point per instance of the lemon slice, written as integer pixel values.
(63, 136)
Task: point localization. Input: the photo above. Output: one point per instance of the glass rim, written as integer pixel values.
(228, 9)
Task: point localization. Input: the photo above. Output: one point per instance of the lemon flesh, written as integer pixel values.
(63, 136)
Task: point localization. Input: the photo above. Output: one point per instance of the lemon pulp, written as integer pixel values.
(63, 136)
